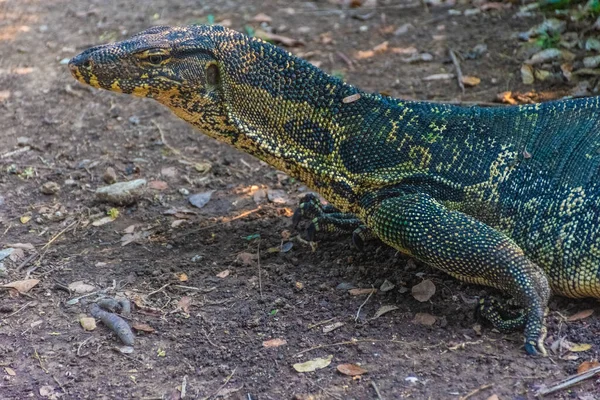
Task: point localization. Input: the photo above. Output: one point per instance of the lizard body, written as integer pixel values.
(505, 197)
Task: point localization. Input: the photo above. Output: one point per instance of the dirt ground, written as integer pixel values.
(215, 283)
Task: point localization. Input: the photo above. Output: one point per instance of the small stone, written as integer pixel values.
(591, 62)
(88, 323)
(134, 120)
(200, 199)
(110, 176)
(542, 75)
(50, 188)
(527, 74)
(592, 44)
(122, 193)
(277, 196)
(403, 29)
(184, 192)
(23, 141)
(70, 182)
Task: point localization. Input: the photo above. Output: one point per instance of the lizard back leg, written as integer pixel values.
(469, 250)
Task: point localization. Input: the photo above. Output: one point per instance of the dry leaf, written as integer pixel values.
(177, 222)
(580, 315)
(223, 274)
(424, 290)
(129, 229)
(23, 286)
(439, 77)
(577, 347)
(381, 48)
(358, 291)
(16, 255)
(10, 371)
(351, 369)
(261, 17)
(284, 40)
(471, 80)
(25, 219)
(158, 185)
(81, 288)
(274, 343)
(424, 319)
(184, 303)
(313, 365)
(183, 277)
(384, 310)
(142, 327)
(332, 327)
(404, 50)
(102, 221)
(246, 259)
(361, 55)
(24, 246)
(88, 323)
(587, 365)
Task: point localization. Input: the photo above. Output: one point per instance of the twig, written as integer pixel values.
(196, 288)
(26, 305)
(364, 302)
(168, 146)
(157, 290)
(259, 272)
(59, 234)
(222, 386)
(569, 381)
(346, 59)
(80, 345)
(459, 75)
(6, 230)
(59, 384)
(37, 356)
(353, 341)
(27, 261)
(183, 387)
(376, 390)
(223, 221)
(474, 392)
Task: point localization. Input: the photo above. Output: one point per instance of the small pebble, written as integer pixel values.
(50, 188)
(110, 176)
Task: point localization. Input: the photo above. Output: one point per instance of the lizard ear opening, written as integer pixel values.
(212, 74)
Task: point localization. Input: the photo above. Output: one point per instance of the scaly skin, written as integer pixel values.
(505, 197)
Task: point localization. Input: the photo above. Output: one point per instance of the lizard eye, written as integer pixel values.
(157, 59)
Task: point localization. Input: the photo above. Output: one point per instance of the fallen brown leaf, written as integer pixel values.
(471, 80)
(142, 327)
(23, 286)
(351, 369)
(274, 343)
(359, 292)
(223, 274)
(272, 37)
(424, 319)
(184, 303)
(313, 365)
(587, 365)
(580, 315)
(423, 291)
(158, 185)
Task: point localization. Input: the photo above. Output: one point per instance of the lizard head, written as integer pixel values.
(238, 89)
(176, 66)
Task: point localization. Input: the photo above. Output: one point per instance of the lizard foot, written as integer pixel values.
(505, 318)
(326, 218)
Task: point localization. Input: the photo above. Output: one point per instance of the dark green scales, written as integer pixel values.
(504, 197)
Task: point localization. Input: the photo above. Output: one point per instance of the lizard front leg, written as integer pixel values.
(326, 218)
(468, 250)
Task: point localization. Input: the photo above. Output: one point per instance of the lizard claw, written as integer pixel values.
(311, 231)
(297, 217)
